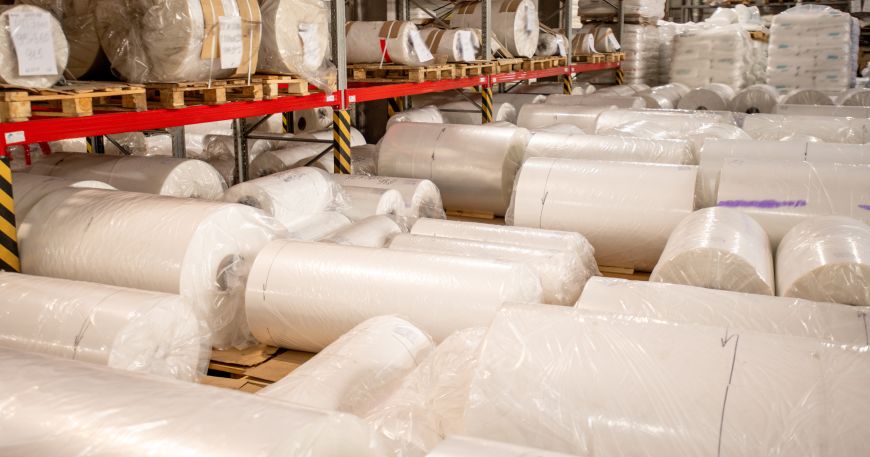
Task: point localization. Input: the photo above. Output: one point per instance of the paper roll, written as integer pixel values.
(626, 210)
(854, 97)
(356, 137)
(457, 45)
(757, 98)
(357, 371)
(371, 232)
(388, 42)
(548, 45)
(514, 22)
(312, 120)
(562, 273)
(29, 189)
(610, 120)
(363, 202)
(309, 313)
(667, 96)
(43, 390)
(126, 329)
(795, 192)
(712, 97)
(539, 116)
(204, 252)
(463, 446)
(421, 196)
(612, 148)
(838, 324)
(290, 195)
(826, 259)
(425, 114)
(822, 110)
(777, 127)
(295, 37)
(224, 146)
(465, 112)
(296, 155)
(597, 100)
(473, 166)
(9, 71)
(517, 100)
(718, 248)
(806, 97)
(151, 175)
(317, 226)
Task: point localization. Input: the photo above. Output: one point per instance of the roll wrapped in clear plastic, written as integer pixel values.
(854, 97)
(805, 97)
(371, 232)
(363, 202)
(667, 96)
(316, 227)
(421, 196)
(714, 97)
(29, 189)
(10, 73)
(128, 414)
(613, 119)
(295, 39)
(514, 22)
(364, 160)
(777, 127)
(826, 259)
(438, 293)
(425, 114)
(757, 98)
(465, 112)
(822, 110)
(612, 148)
(620, 102)
(224, 146)
(387, 42)
(458, 45)
(545, 115)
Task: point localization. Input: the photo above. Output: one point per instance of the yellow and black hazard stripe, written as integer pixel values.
(486, 104)
(9, 260)
(568, 84)
(89, 144)
(620, 76)
(341, 141)
(396, 105)
(287, 122)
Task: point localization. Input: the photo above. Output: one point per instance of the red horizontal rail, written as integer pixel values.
(365, 93)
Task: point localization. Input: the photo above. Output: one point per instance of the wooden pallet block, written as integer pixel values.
(540, 63)
(217, 92)
(477, 68)
(254, 368)
(458, 213)
(624, 273)
(74, 99)
(590, 58)
(275, 86)
(400, 73)
(508, 65)
(758, 35)
(614, 57)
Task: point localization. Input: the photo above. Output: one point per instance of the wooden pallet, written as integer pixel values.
(613, 57)
(463, 214)
(252, 369)
(399, 73)
(477, 68)
(74, 99)
(590, 58)
(508, 65)
(275, 86)
(624, 273)
(541, 63)
(217, 92)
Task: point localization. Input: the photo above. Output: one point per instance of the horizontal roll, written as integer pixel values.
(838, 324)
(317, 226)
(126, 329)
(421, 196)
(622, 91)
(9, 71)
(626, 210)
(822, 110)
(539, 116)
(777, 127)
(295, 38)
(473, 166)
(718, 248)
(425, 114)
(667, 96)
(296, 155)
(610, 120)
(224, 146)
(826, 259)
(517, 100)
(29, 189)
(805, 97)
(514, 22)
(597, 100)
(854, 97)
(364, 160)
(463, 446)
(550, 44)
(712, 97)
(757, 98)
(838, 153)
(43, 390)
(356, 137)
(371, 232)
(204, 252)
(358, 370)
(338, 287)
(363, 202)
(457, 45)
(465, 112)
(151, 175)
(611, 148)
(312, 120)
(378, 42)
(550, 88)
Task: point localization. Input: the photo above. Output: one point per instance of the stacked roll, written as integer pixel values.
(295, 38)
(667, 96)
(371, 232)
(421, 196)
(757, 98)
(539, 116)
(515, 23)
(425, 114)
(387, 42)
(457, 45)
(10, 73)
(466, 112)
(611, 148)
(805, 97)
(712, 97)
(29, 189)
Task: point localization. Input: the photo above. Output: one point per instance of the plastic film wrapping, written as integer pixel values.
(295, 39)
(363, 202)
(854, 97)
(806, 97)
(10, 73)
(720, 54)
(540, 116)
(216, 146)
(457, 45)
(473, 166)
(465, 112)
(312, 120)
(297, 155)
(714, 97)
(757, 98)
(667, 96)
(641, 43)
(425, 114)
(463, 446)
(318, 226)
(386, 42)
(438, 293)
(151, 175)
(626, 210)
(364, 160)
(826, 259)
(823, 110)
(838, 153)
(29, 189)
(795, 192)
(622, 91)
(358, 370)
(550, 88)
(204, 253)
(589, 403)
(597, 100)
(371, 232)
(838, 324)
(421, 196)
(129, 414)
(551, 44)
(612, 148)
(514, 22)
(718, 248)
(611, 120)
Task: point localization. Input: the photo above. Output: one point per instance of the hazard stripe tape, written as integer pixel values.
(285, 122)
(394, 106)
(9, 260)
(341, 138)
(567, 84)
(486, 106)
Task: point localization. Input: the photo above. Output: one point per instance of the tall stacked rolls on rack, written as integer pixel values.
(386, 42)
(10, 72)
(295, 39)
(514, 22)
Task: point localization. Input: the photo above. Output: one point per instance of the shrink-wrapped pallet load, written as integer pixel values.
(640, 43)
(626, 210)
(371, 232)
(358, 370)
(514, 22)
(713, 97)
(318, 226)
(126, 329)
(363, 202)
(805, 97)
(473, 166)
(457, 45)
(425, 114)
(377, 42)
(27, 26)
(826, 259)
(611, 148)
(29, 189)
(718, 248)
(200, 250)
(438, 293)
(616, 386)
(152, 175)
(704, 55)
(838, 324)
(422, 198)
(119, 413)
(545, 115)
(466, 112)
(778, 127)
(295, 39)
(757, 98)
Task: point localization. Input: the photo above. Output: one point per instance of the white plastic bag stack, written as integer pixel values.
(641, 46)
(712, 55)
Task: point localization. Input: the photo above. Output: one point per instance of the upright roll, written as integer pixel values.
(312, 120)
(465, 112)
(757, 98)
(618, 101)
(611, 148)
(126, 329)
(610, 203)
(43, 393)
(317, 226)
(805, 97)
(363, 202)
(387, 42)
(371, 232)
(151, 175)
(421, 196)
(425, 114)
(514, 22)
(718, 248)
(457, 45)
(204, 253)
(473, 166)
(778, 127)
(712, 97)
(29, 189)
(295, 37)
(854, 97)
(358, 370)
(540, 116)
(9, 71)
(826, 259)
(438, 293)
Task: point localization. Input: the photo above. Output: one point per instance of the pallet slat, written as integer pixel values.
(217, 92)
(74, 99)
(400, 73)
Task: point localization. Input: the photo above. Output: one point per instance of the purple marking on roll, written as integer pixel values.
(764, 204)
(867, 207)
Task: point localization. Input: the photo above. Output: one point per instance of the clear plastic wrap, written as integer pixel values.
(318, 226)
(854, 97)
(224, 146)
(622, 91)
(62, 407)
(457, 45)
(641, 46)
(466, 112)
(838, 153)
(617, 101)
(613, 148)
(544, 115)
(627, 210)
(757, 98)
(473, 166)
(714, 54)
(664, 97)
(152, 175)
(550, 88)
(823, 110)
(718, 248)
(378, 42)
(623, 386)
(421, 196)
(551, 44)
(364, 159)
(200, 250)
(610, 120)
(358, 370)
(838, 324)
(826, 259)
(425, 114)
(363, 202)
(371, 232)
(778, 127)
(806, 97)
(296, 155)
(516, 99)
(514, 22)
(438, 293)
(10, 73)
(29, 189)
(127, 329)
(296, 40)
(463, 446)
(714, 96)
(313, 120)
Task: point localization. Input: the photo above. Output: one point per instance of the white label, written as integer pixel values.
(230, 42)
(531, 20)
(310, 45)
(420, 47)
(588, 46)
(330, 98)
(15, 137)
(466, 45)
(34, 43)
(614, 44)
(560, 45)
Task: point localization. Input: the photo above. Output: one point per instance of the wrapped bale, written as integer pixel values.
(387, 42)
(15, 20)
(514, 22)
(723, 55)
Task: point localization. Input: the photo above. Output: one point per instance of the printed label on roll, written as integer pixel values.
(34, 45)
(230, 42)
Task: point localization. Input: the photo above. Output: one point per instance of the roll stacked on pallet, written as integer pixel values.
(200, 250)
(387, 42)
(29, 189)
(38, 77)
(545, 115)
(457, 45)
(371, 232)
(610, 148)
(514, 22)
(421, 196)
(295, 39)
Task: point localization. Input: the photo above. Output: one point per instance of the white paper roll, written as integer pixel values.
(363, 202)
(806, 97)
(457, 45)
(667, 96)
(514, 22)
(611, 120)
(371, 232)
(426, 115)
(757, 98)
(295, 37)
(854, 97)
(626, 210)
(838, 153)
(204, 252)
(623, 91)
(312, 120)
(826, 259)
(364, 159)
(823, 110)
(463, 446)
(151, 175)
(597, 100)
(612, 148)
(421, 196)
(317, 226)
(311, 312)
(43, 393)
(465, 112)
(795, 192)
(379, 42)
(539, 116)
(224, 146)
(289, 195)
(357, 371)
(9, 71)
(295, 155)
(473, 166)
(777, 127)
(712, 97)
(126, 329)
(718, 248)
(839, 324)
(517, 100)
(29, 189)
